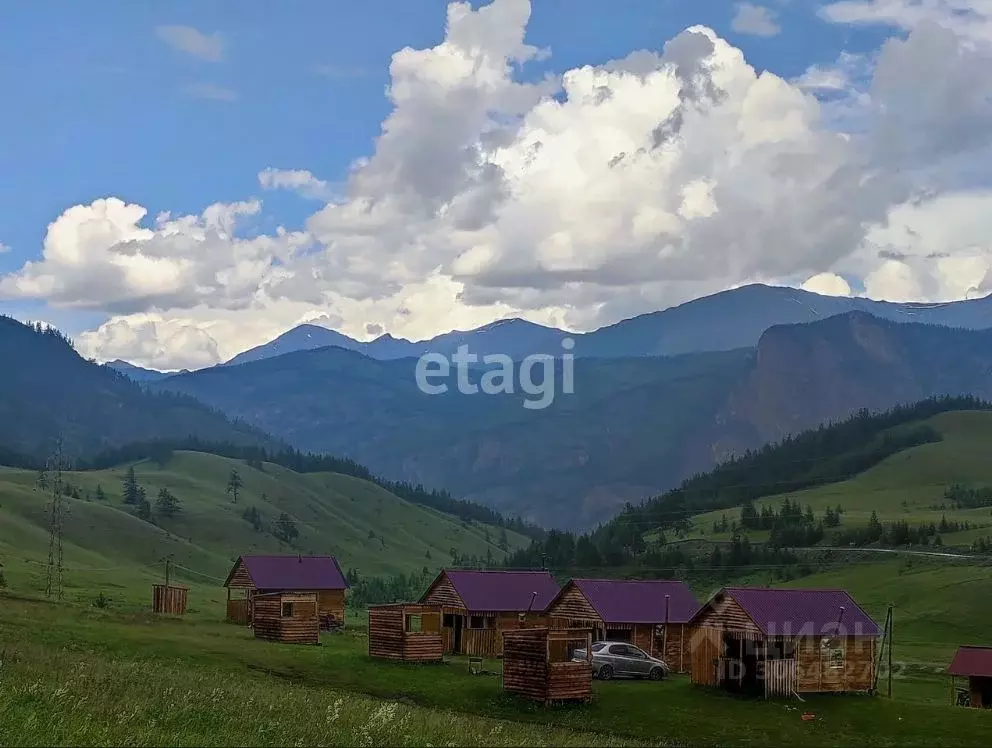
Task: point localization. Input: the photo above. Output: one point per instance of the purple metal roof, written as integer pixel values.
(972, 661)
(639, 600)
(295, 572)
(504, 591)
(789, 612)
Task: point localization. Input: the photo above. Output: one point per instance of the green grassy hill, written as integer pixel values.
(907, 486)
(108, 548)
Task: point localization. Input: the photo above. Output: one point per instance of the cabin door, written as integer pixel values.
(457, 634)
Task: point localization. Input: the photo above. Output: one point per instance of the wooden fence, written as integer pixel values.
(779, 677)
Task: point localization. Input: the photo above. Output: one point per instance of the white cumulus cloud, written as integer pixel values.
(756, 20)
(576, 200)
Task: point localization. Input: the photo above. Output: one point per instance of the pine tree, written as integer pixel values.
(167, 504)
(144, 509)
(285, 529)
(42, 480)
(99, 495)
(131, 489)
(234, 484)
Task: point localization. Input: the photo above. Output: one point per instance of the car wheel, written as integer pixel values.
(605, 672)
(657, 674)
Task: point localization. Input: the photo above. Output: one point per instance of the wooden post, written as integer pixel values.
(168, 563)
(890, 649)
(664, 635)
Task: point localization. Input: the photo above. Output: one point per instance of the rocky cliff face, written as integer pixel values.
(805, 375)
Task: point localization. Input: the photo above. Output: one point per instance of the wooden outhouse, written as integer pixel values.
(478, 606)
(406, 631)
(652, 614)
(255, 575)
(169, 599)
(975, 664)
(538, 664)
(286, 617)
(781, 642)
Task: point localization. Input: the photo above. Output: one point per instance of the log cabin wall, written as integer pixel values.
(331, 603)
(845, 664)
(676, 644)
(537, 666)
(390, 636)
(286, 617)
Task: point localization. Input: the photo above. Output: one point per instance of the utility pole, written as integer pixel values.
(544, 565)
(168, 564)
(890, 648)
(53, 584)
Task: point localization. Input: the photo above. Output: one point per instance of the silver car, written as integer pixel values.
(612, 659)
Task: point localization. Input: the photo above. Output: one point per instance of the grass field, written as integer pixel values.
(108, 548)
(904, 487)
(75, 675)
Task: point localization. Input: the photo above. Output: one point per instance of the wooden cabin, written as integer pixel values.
(254, 575)
(286, 617)
(407, 632)
(975, 664)
(169, 599)
(538, 664)
(478, 606)
(651, 614)
(782, 642)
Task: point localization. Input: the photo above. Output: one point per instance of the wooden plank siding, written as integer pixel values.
(389, 637)
(707, 646)
(331, 603)
(237, 611)
(442, 592)
(299, 627)
(818, 673)
(169, 600)
(537, 665)
(240, 579)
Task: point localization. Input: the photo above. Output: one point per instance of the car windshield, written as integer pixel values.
(597, 647)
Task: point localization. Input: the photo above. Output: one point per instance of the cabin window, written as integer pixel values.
(287, 610)
(449, 620)
(414, 624)
(832, 651)
(482, 622)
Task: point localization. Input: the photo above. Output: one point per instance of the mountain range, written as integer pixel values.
(656, 399)
(720, 322)
(48, 389)
(632, 428)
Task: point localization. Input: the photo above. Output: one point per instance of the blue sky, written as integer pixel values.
(177, 106)
(95, 106)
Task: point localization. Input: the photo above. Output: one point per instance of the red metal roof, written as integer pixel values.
(639, 600)
(294, 572)
(969, 661)
(504, 591)
(802, 612)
